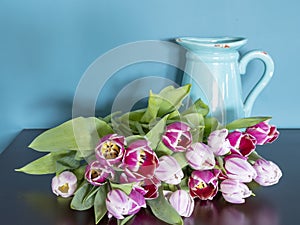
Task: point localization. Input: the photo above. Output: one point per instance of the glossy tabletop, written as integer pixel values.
(27, 199)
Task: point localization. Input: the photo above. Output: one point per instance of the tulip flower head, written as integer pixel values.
(182, 202)
(140, 159)
(169, 170)
(119, 204)
(64, 184)
(111, 148)
(218, 142)
(204, 184)
(200, 157)
(177, 137)
(234, 191)
(268, 173)
(263, 132)
(96, 173)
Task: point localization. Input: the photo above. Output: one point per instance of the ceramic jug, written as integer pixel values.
(213, 67)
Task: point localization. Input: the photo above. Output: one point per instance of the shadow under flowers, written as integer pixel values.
(256, 211)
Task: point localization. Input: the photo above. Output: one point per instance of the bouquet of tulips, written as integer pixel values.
(159, 157)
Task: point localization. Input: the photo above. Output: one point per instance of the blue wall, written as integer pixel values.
(45, 47)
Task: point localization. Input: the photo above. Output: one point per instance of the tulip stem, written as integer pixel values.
(178, 187)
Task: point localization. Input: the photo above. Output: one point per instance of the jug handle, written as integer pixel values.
(264, 80)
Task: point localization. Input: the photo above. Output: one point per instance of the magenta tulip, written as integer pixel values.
(140, 159)
(204, 184)
(200, 157)
(177, 137)
(111, 148)
(243, 143)
(182, 202)
(96, 173)
(64, 184)
(268, 173)
(263, 132)
(234, 191)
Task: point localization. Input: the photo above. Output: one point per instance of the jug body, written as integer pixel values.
(213, 67)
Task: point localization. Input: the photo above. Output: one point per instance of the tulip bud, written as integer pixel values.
(238, 168)
(119, 204)
(182, 202)
(244, 143)
(218, 142)
(169, 170)
(64, 184)
(263, 132)
(234, 191)
(268, 173)
(200, 157)
(177, 137)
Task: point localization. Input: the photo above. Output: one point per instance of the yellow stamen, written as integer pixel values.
(201, 185)
(64, 188)
(110, 150)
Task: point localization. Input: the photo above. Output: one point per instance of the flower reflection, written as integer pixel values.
(256, 211)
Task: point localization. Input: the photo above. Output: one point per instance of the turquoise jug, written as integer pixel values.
(213, 67)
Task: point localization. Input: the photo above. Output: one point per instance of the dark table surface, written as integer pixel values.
(27, 199)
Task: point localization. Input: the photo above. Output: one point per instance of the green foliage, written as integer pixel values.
(246, 122)
(84, 197)
(76, 134)
(99, 203)
(162, 209)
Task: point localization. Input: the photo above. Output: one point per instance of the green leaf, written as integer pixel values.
(246, 122)
(125, 220)
(154, 135)
(162, 209)
(126, 188)
(198, 107)
(161, 150)
(180, 158)
(211, 124)
(66, 162)
(79, 172)
(81, 201)
(76, 134)
(196, 123)
(167, 101)
(43, 165)
(99, 203)
(54, 162)
(134, 138)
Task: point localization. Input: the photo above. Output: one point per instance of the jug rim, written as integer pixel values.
(213, 42)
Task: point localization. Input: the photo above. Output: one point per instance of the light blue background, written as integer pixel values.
(45, 47)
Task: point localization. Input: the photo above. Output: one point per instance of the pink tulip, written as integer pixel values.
(218, 142)
(234, 191)
(64, 184)
(177, 137)
(244, 143)
(200, 157)
(169, 170)
(111, 148)
(148, 188)
(263, 132)
(204, 184)
(119, 204)
(238, 168)
(96, 173)
(268, 173)
(182, 202)
(140, 159)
